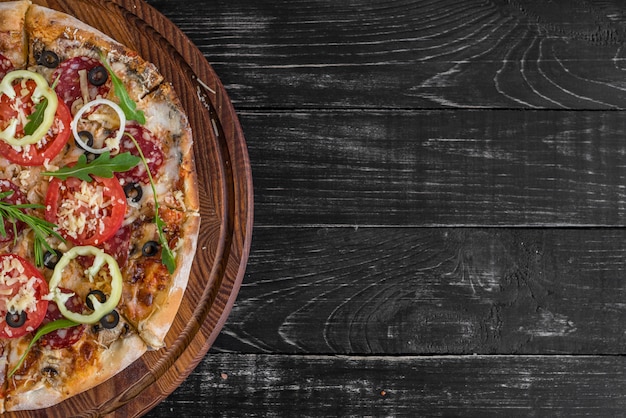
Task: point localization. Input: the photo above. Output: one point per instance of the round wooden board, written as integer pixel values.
(225, 186)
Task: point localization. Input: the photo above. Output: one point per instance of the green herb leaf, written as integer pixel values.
(46, 329)
(41, 228)
(126, 103)
(36, 118)
(167, 256)
(103, 166)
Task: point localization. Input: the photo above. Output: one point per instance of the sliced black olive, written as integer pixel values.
(98, 294)
(150, 248)
(87, 138)
(16, 320)
(48, 59)
(110, 320)
(133, 191)
(49, 371)
(90, 156)
(98, 75)
(51, 258)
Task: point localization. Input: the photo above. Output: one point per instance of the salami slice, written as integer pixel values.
(64, 337)
(5, 66)
(69, 86)
(150, 148)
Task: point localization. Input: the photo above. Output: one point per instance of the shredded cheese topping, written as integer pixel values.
(12, 273)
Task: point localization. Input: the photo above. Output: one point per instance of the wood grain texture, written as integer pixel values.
(407, 54)
(396, 291)
(268, 386)
(438, 167)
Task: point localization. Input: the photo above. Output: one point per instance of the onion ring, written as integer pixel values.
(120, 131)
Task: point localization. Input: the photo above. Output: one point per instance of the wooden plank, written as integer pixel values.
(438, 167)
(270, 385)
(327, 54)
(431, 290)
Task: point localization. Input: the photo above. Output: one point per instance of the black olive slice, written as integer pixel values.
(133, 191)
(48, 59)
(51, 258)
(110, 320)
(99, 294)
(16, 320)
(150, 248)
(49, 371)
(98, 75)
(86, 137)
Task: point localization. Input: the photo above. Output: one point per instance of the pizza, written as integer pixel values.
(99, 210)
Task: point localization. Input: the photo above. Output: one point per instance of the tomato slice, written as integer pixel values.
(17, 198)
(87, 213)
(20, 281)
(49, 146)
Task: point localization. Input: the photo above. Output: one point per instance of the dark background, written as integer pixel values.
(440, 208)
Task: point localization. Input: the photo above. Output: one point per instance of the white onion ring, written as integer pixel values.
(120, 131)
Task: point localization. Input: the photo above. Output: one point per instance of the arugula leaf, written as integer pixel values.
(46, 329)
(167, 256)
(41, 228)
(126, 103)
(103, 166)
(36, 118)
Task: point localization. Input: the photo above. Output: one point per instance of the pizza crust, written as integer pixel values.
(154, 328)
(12, 35)
(111, 361)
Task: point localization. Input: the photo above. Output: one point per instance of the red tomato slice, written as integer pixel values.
(49, 146)
(86, 213)
(30, 281)
(17, 198)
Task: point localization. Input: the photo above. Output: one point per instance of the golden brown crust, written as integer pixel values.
(154, 328)
(108, 362)
(12, 35)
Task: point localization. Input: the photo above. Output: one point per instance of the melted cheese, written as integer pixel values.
(12, 274)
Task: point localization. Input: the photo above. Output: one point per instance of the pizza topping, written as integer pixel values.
(142, 143)
(111, 143)
(42, 229)
(9, 228)
(51, 258)
(100, 309)
(87, 213)
(48, 59)
(126, 103)
(98, 75)
(17, 92)
(70, 88)
(63, 337)
(167, 256)
(43, 330)
(133, 192)
(150, 249)
(52, 142)
(101, 166)
(110, 320)
(22, 288)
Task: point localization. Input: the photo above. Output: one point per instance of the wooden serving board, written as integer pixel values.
(225, 186)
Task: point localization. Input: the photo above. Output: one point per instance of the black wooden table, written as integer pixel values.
(440, 208)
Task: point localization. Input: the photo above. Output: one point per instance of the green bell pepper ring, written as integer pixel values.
(99, 309)
(42, 90)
